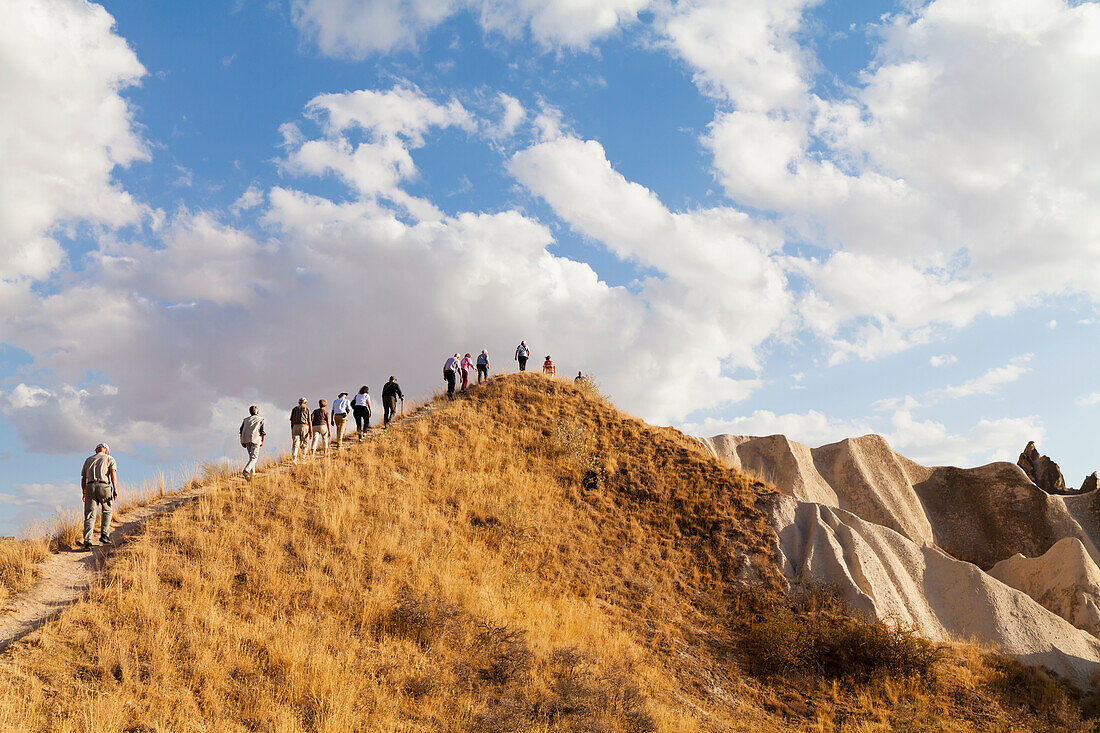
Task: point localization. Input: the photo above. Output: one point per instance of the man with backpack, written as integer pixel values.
(300, 434)
(252, 438)
(391, 392)
(522, 355)
(99, 485)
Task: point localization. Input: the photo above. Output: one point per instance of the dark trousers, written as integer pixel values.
(449, 375)
(482, 373)
(523, 363)
(362, 417)
(389, 408)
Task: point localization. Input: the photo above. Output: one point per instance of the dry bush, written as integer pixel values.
(845, 645)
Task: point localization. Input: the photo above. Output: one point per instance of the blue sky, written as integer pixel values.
(816, 218)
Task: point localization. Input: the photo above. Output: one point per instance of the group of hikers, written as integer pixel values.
(309, 430)
(455, 367)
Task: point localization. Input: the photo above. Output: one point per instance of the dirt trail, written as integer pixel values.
(66, 576)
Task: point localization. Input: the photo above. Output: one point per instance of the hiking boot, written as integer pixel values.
(105, 540)
(85, 545)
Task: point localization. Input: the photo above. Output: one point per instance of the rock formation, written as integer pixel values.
(888, 576)
(981, 515)
(983, 553)
(1064, 580)
(1042, 471)
(1089, 484)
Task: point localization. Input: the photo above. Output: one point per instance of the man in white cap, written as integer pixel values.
(99, 485)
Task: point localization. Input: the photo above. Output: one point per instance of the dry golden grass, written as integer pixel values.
(526, 559)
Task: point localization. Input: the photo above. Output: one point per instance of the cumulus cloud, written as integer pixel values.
(812, 428)
(1089, 399)
(720, 292)
(391, 123)
(905, 178)
(987, 383)
(250, 199)
(931, 443)
(356, 28)
(942, 360)
(65, 128)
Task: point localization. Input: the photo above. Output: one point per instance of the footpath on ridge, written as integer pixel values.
(65, 576)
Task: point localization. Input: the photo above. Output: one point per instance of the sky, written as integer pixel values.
(809, 217)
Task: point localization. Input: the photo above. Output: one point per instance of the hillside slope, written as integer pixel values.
(525, 559)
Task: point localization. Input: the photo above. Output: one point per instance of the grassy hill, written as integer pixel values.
(526, 559)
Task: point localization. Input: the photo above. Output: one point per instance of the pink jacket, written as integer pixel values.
(466, 364)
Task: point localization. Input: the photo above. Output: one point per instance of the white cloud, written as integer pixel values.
(512, 114)
(931, 223)
(721, 292)
(357, 28)
(942, 360)
(988, 383)
(812, 428)
(1052, 324)
(744, 51)
(394, 122)
(929, 442)
(250, 199)
(1089, 399)
(64, 129)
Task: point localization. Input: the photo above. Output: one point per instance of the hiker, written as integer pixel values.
(321, 423)
(390, 394)
(579, 379)
(483, 366)
(300, 433)
(449, 368)
(548, 367)
(98, 485)
(466, 365)
(360, 405)
(252, 439)
(522, 354)
(341, 406)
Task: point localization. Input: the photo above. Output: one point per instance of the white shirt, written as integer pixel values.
(341, 405)
(362, 399)
(451, 364)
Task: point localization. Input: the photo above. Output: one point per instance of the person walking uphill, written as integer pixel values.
(299, 428)
(450, 367)
(321, 422)
(483, 366)
(252, 439)
(466, 365)
(548, 367)
(99, 485)
(341, 406)
(522, 355)
(360, 405)
(390, 394)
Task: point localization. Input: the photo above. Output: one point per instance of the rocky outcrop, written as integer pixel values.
(1042, 471)
(891, 577)
(1064, 580)
(981, 515)
(911, 542)
(1090, 483)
